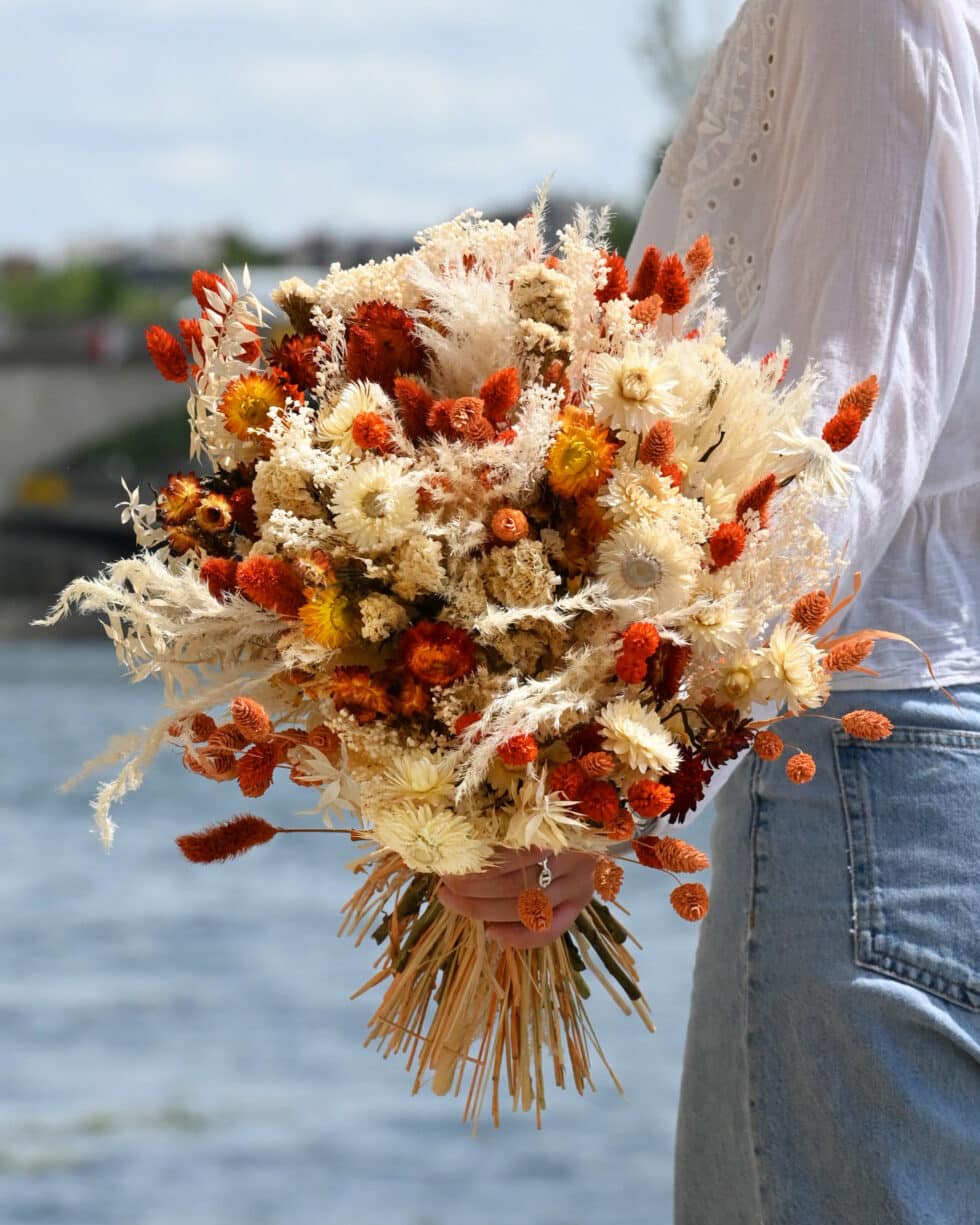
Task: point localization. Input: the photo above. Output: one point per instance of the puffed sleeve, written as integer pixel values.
(872, 193)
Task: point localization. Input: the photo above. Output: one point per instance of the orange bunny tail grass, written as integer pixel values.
(811, 611)
(800, 768)
(849, 655)
(168, 356)
(726, 544)
(608, 879)
(500, 394)
(251, 720)
(645, 281)
(673, 286)
(699, 258)
(617, 278)
(861, 396)
(867, 724)
(679, 856)
(758, 498)
(414, 403)
(842, 428)
(690, 901)
(657, 447)
(535, 910)
(225, 841)
(201, 283)
(768, 745)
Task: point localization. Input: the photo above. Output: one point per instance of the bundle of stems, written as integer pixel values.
(470, 1014)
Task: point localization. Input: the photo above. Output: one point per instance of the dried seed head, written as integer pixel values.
(810, 610)
(800, 768)
(250, 718)
(679, 856)
(867, 724)
(658, 444)
(598, 765)
(202, 728)
(608, 879)
(690, 902)
(509, 525)
(224, 841)
(768, 745)
(534, 909)
(848, 655)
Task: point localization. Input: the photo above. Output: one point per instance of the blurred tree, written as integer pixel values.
(78, 291)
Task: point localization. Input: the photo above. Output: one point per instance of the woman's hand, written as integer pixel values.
(492, 895)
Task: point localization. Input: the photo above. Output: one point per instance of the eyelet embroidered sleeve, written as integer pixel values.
(873, 190)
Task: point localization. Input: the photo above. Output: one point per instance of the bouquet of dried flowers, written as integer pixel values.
(493, 546)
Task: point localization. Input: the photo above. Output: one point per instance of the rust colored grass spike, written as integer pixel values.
(699, 257)
(168, 356)
(811, 610)
(608, 879)
(679, 856)
(867, 724)
(690, 901)
(861, 396)
(848, 655)
(645, 281)
(225, 841)
(535, 910)
(251, 720)
(657, 447)
(758, 498)
(673, 286)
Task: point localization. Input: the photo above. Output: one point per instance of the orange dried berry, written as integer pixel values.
(861, 396)
(167, 355)
(811, 610)
(607, 880)
(370, 431)
(842, 428)
(679, 856)
(658, 444)
(202, 728)
(673, 286)
(650, 799)
(251, 720)
(699, 257)
(800, 768)
(519, 750)
(690, 901)
(768, 745)
(509, 525)
(256, 768)
(726, 543)
(867, 724)
(620, 826)
(567, 779)
(641, 638)
(534, 910)
(598, 765)
(214, 513)
(848, 655)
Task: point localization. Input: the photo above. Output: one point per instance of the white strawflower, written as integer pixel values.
(333, 425)
(717, 619)
(810, 459)
(538, 817)
(635, 734)
(431, 839)
(739, 682)
(636, 492)
(634, 391)
(416, 777)
(693, 369)
(650, 564)
(374, 505)
(791, 670)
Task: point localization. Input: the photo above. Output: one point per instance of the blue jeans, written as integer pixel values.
(832, 1068)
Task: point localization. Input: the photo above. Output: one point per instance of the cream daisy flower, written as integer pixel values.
(720, 500)
(431, 839)
(374, 505)
(633, 391)
(717, 619)
(415, 777)
(791, 670)
(635, 734)
(740, 677)
(650, 565)
(693, 369)
(811, 460)
(636, 493)
(540, 818)
(333, 425)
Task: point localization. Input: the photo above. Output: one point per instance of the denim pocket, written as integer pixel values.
(912, 807)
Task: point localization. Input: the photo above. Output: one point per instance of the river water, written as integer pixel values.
(178, 1046)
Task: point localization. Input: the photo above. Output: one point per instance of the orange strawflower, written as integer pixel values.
(848, 655)
(329, 617)
(599, 801)
(584, 534)
(842, 428)
(645, 281)
(201, 282)
(861, 396)
(690, 901)
(650, 799)
(438, 653)
(800, 768)
(248, 403)
(168, 356)
(271, 583)
(412, 698)
(567, 779)
(607, 879)
(500, 393)
(219, 573)
(699, 257)
(758, 498)
(179, 498)
(648, 310)
(617, 278)
(811, 610)
(768, 745)
(534, 910)
(353, 687)
(658, 445)
(641, 638)
(517, 751)
(295, 355)
(226, 840)
(509, 525)
(182, 538)
(382, 343)
(214, 513)
(598, 765)
(370, 431)
(673, 286)
(581, 457)
(679, 856)
(867, 724)
(414, 403)
(251, 719)
(255, 769)
(726, 543)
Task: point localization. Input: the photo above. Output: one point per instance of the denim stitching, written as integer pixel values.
(752, 985)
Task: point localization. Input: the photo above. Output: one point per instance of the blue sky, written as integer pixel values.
(133, 119)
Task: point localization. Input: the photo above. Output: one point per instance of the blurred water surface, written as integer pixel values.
(178, 1045)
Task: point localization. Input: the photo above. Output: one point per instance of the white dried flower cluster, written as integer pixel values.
(381, 616)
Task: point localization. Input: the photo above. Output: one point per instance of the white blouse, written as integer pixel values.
(832, 153)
